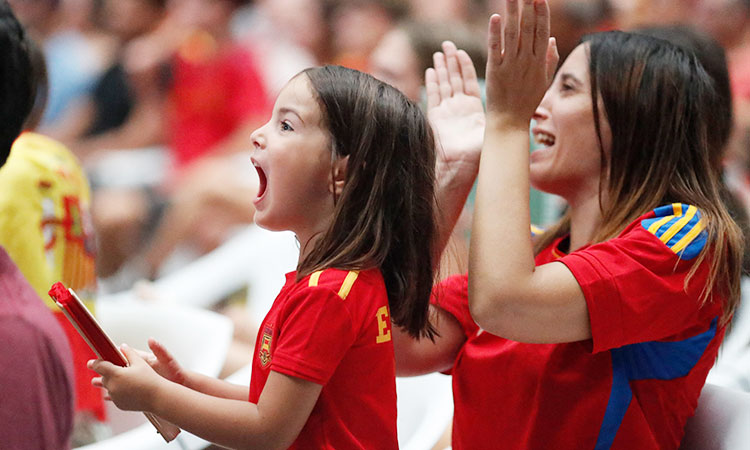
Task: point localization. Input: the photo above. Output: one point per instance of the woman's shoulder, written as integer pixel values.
(678, 227)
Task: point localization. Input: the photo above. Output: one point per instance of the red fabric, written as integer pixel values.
(213, 94)
(540, 396)
(88, 398)
(343, 344)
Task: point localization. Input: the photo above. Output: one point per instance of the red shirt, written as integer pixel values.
(215, 91)
(632, 385)
(333, 328)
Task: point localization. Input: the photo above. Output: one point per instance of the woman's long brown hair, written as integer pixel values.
(385, 214)
(658, 101)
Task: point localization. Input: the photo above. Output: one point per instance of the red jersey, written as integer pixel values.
(333, 328)
(632, 385)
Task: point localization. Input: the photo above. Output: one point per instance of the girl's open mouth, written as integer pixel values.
(262, 180)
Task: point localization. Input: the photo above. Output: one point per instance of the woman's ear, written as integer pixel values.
(336, 185)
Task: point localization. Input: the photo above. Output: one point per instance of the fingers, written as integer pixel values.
(159, 350)
(469, 73)
(454, 70)
(527, 27)
(103, 368)
(431, 88)
(494, 41)
(510, 25)
(553, 57)
(444, 86)
(131, 355)
(542, 28)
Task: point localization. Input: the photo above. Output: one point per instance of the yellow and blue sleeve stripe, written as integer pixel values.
(679, 227)
(536, 231)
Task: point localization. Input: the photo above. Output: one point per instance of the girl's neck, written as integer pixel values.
(585, 220)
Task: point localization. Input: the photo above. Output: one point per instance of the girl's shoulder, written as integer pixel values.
(343, 282)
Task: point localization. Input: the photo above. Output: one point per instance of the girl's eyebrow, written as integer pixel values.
(286, 110)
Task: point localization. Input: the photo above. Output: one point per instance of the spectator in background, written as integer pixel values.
(405, 52)
(45, 227)
(286, 43)
(447, 10)
(74, 48)
(358, 25)
(728, 21)
(216, 98)
(36, 373)
(109, 117)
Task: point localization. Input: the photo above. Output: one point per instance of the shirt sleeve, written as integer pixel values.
(315, 332)
(452, 296)
(634, 287)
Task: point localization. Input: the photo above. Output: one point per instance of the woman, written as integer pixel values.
(600, 332)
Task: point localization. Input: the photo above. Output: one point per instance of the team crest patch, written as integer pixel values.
(265, 346)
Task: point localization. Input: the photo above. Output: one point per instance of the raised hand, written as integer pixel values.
(454, 105)
(521, 60)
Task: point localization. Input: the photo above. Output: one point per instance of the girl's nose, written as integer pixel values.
(258, 139)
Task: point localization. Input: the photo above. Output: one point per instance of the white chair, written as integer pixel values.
(425, 410)
(732, 367)
(721, 421)
(198, 338)
(253, 257)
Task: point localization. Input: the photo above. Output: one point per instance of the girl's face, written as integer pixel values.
(293, 158)
(568, 160)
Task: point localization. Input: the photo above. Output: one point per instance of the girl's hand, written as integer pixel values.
(521, 61)
(164, 363)
(454, 105)
(131, 388)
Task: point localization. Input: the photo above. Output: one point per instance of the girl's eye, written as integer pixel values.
(286, 126)
(566, 87)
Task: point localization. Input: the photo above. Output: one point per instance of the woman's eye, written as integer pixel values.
(285, 126)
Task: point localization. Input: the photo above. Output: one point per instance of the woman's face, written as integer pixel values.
(568, 160)
(394, 62)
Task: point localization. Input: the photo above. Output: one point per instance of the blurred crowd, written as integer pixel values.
(157, 98)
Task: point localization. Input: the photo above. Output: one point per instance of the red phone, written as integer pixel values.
(91, 332)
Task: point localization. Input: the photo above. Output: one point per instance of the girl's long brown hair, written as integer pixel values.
(659, 103)
(385, 214)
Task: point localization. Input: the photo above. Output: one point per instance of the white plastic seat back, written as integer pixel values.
(425, 410)
(198, 338)
(721, 421)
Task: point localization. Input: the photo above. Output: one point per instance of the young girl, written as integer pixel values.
(601, 336)
(347, 163)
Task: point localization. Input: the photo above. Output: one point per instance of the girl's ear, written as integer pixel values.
(336, 185)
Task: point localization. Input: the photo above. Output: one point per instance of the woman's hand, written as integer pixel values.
(521, 61)
(131, 388)
(454, 105)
